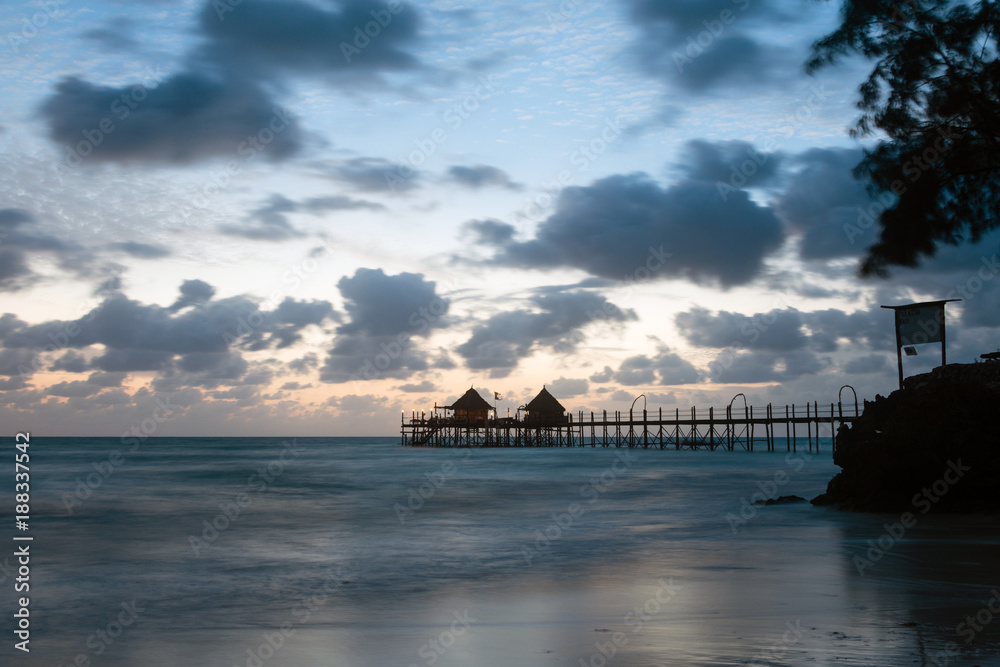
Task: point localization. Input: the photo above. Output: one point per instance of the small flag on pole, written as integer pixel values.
(497, 396)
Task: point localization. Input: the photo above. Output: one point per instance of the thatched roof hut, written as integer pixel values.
(471, 406)
(544, 408)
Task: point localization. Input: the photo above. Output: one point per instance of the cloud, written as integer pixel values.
(777, 330)
(193, 293)
(21, 237)
(114, 36)
(357, 39)
(764, 366)
(700, 46)
(384, 315)
(556, 322)
(270, 221)
(568, 387)
(422, 388)
(370, 174)
(824, 203)
(141, 250)
(666, 368)
(196, 338)
(481, 175)
(187, 117)
(871, 363)
(622, 225)
(727, 161)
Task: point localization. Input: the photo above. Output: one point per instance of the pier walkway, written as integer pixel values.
(736, 427)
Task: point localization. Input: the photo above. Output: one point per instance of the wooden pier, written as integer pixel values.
(735, 427)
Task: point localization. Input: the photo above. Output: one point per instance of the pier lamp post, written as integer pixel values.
(643, 397)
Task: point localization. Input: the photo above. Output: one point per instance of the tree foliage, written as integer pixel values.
(933, 97)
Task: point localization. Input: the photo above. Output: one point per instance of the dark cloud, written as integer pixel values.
(665, 368)
(270, 221)
(871, 363)
(17, 362)
(825, 204)
(604, 375)
(21, 237)
(197, 336)
(115, 35)
(481, 175)
(777, 330)
(193, 293)
(93, 385)
(753, 366)
(187, 117)
(491, 232)
(568, 387)
(422, 388)
(71, 362)
(556, 322)
(621, 226)
(731, 162)
(370, 174)
(141, 250)
(276, 38)
(702, 45)
(385, 314)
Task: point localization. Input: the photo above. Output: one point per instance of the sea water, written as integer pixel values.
(277, 552)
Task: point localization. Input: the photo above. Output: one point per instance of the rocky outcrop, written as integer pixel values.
(933, 445)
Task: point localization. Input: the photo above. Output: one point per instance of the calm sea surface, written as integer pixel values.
(353, 551)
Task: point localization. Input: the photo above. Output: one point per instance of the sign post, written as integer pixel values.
(919, 323)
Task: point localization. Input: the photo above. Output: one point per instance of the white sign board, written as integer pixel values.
(920, 325)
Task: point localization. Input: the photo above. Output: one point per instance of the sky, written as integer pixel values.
(308, 217)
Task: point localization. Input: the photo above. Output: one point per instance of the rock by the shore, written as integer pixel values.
(781, 500)
(932, 446)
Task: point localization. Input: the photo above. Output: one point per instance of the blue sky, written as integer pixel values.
(283, 224)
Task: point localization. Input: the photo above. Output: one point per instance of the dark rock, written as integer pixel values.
(933, 445)
(781, 500)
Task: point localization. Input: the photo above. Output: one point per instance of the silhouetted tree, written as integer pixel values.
(935, 94)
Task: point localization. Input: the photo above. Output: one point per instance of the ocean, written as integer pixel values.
(253, 552)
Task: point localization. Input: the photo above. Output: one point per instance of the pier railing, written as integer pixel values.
(733, 427)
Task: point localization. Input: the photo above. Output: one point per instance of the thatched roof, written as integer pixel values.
(544, 402)
(470, 400)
